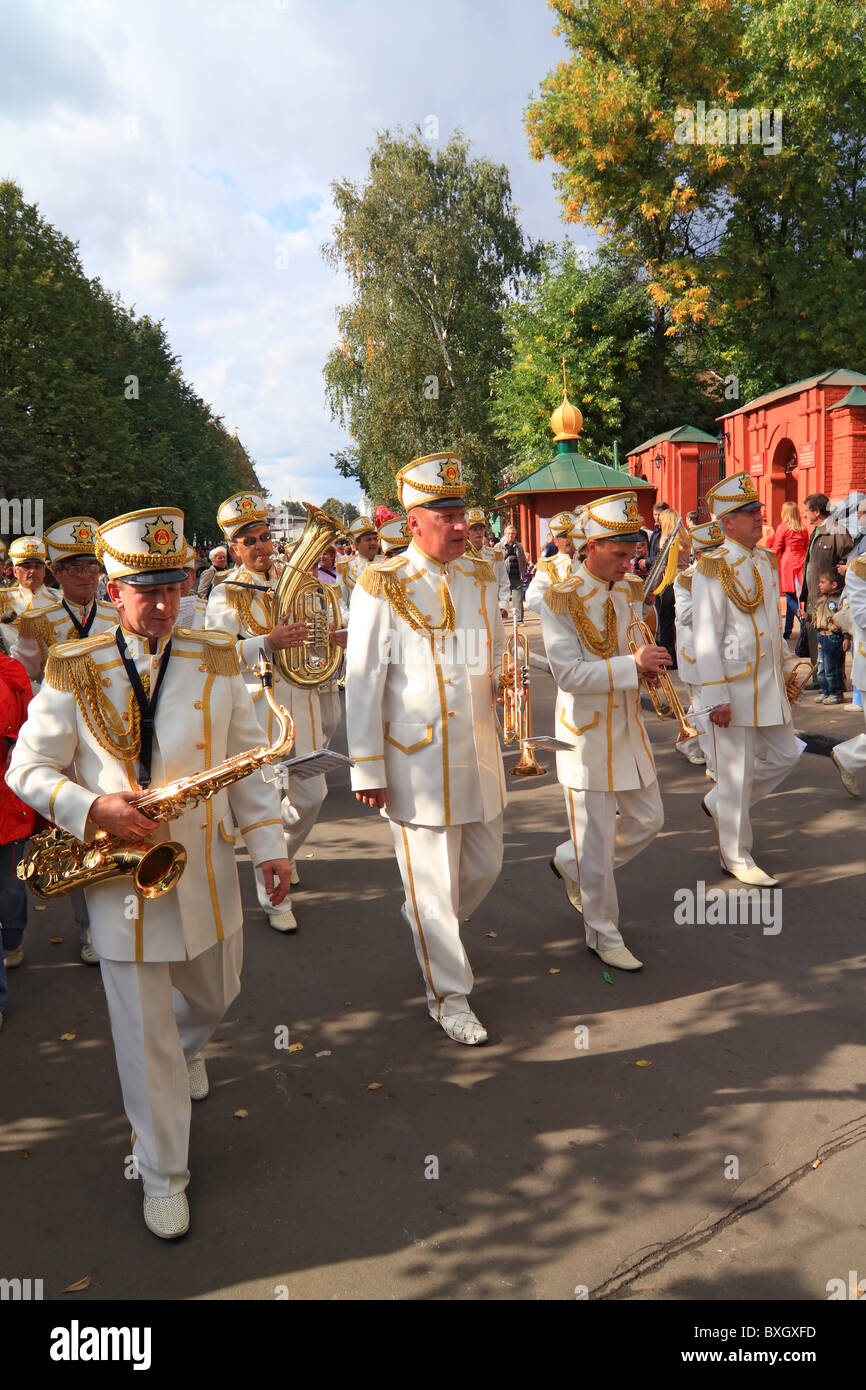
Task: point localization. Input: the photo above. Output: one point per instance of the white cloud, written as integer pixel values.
(190, 149)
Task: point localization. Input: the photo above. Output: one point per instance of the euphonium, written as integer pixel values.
(300, 598)
(665, 700)
(58, 862)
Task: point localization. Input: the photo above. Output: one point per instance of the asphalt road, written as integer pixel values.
(665, 1152)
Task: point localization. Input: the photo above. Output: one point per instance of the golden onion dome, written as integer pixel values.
(566, 420)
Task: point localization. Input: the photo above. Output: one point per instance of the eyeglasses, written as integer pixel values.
(82, 567)
(251, 541)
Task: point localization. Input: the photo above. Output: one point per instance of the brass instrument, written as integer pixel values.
(665, 700)
(517, 710)
(300, 598)
(58, 863)
(664, 566)
(794, 683)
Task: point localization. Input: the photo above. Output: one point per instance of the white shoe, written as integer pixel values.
(707, 812)
(284, 920)
(751, 874)
(199, 1086)
(620, 957)
(572, 887)
(465, 1028)
(848, 781)
(167, 1217)
(13, 957)
(296, 878)
(88, 954)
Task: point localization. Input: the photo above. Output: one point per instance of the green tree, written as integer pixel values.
(346, 512)
(432, 248)
(598, 317)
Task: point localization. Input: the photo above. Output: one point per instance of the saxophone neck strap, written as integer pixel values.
(146, 705)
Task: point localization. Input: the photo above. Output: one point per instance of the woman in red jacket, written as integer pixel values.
(790, 543)
(16, 821)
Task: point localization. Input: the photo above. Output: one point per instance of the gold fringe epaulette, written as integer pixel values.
(220, 654)
(549, 568)
(712, 566)
(375, 577)
(35, 625)
(470, 553)
(858, 566)
(558, 596)
(772, 557)
(684, 579)
(483, 569)
(69, 663)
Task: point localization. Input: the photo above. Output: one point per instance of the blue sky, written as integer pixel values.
(189, 147)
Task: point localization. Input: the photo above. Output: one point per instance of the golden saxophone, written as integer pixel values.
(58, 863)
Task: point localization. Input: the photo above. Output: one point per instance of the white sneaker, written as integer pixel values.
(13, 957)
(620, 957)
(465, 1028)
(167, 1217)
(572, 887)
(848, 780)
(199, 1086)
(284, 919)
(88, 954)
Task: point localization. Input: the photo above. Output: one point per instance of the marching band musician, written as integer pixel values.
(425, 646)
(242, 604)
(705, 536)
(28, 556)
(140, 706)
(71, 547)
(559, 566)
(850, 756)
(476, 529)
(740, 667)
(365, 539)
(610, 769)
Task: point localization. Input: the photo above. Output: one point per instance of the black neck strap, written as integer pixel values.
(146, 707)
(82, 629)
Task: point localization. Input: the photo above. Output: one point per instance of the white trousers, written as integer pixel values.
(447, 872)
(750, 763)
(162, 1015)
(299, 811)
(852, 754)
(600, 842)
(330, 713)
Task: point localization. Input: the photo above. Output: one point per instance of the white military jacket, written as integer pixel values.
(247, 615)
(737, 639)
(496, 560)
(554, 570)
(41, 628)
(21, 600)
(598, 707)
(855, 593)
(349, 571)
(420, 701)
(63, 760)
(686, 661)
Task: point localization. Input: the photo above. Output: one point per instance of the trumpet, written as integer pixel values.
(795, 683)
(665, 700)
(517, 711)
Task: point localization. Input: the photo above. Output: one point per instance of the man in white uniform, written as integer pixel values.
(28, 555)
(741, 667)
(425, 644)
(142, 706)
(704, 538)
(555, 568)
(850, 756)
(242, 605)
(609, 778)
(365, 538)
(476, 530)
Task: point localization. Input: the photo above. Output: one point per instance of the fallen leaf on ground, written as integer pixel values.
(323, 1054)
(347, 1002)
(67, 1037)
(54, 940)
(817, 1163)
(41, 907)
(242, 1114)
(375, 1086)
(554, 970)
(78, 1285)
(296, 1047)
(493, 933)
(25, 1153)
(642, 1062)
(606, 978)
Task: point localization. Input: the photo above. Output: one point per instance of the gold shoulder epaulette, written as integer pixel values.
(220, 653)
(557, 596)
(483, 568)
(470, 553)
(684, 580)
(549, 568)
(858, 566)
(712, 566)
(772, 557)
(374, 579)
(35, 625)
(70, 665)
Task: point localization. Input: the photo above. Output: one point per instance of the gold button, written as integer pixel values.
(197, 704)
(106, 680)
(202, 668)
(199, 745)
(126, 719)
(451, 713)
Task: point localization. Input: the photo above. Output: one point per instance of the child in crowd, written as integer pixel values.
(832, 623)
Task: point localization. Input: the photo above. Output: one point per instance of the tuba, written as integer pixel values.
(58, 863)
(300, 598)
